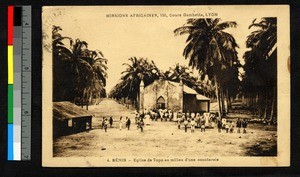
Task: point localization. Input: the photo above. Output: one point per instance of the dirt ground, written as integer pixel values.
(162, 139)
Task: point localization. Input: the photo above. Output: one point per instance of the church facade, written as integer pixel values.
(164, 94)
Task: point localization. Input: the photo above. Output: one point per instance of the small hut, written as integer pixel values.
(69, 118)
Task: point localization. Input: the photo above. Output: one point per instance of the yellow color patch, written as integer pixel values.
(10, 62)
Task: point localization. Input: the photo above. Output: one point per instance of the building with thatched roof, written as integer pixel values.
(164, 94)
(69, 118)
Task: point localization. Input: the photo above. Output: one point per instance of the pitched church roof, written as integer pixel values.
(186, 89)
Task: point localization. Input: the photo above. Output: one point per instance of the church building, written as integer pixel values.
(164, 94)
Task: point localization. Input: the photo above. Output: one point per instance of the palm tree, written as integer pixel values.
(62, 87)
(205, 87)
(139, 69)
(78, 71)
(183, 73)
(210, 49)
(264, 39)
(260, 66)
(96, 88)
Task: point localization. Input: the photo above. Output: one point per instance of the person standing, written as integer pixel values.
(219, 125)
(238, 125)
(105, 125)
(193, 123)
(102, 123)
(138, 123)
(183, 117)
(128, 122)
(111, 121)
(161, 114)
(185, 123)
(198, 118)
(170, 115)
(120, 123)
(188, 116)
(231, 127)
(137, 116)
(178, 122)
(147, 119)
(244, 125)
(166, 115)
(193, 115)
(202, 126)
(175, 115)
(142, 125)
(227, 127)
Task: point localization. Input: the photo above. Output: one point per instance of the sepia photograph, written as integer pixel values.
(159, 86)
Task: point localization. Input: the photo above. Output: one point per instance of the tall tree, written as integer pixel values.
(96, 88)
(210, 49)
(178, 72)
(139, 69)
(77, 71)
(260, 80)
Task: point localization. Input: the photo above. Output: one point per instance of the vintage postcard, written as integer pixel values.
(166, 86)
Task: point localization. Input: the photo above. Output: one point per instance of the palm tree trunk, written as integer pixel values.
(228, 100)
(266, 106)
(243, 100)
(260, 103)
(273, 104)
(224, 102)
(217, 94)
(137, 100)
(219, 101)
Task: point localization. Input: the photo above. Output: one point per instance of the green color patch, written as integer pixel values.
(10, 104)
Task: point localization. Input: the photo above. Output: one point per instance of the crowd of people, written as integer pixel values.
(189, 120)
(139, 122)
(230, 125)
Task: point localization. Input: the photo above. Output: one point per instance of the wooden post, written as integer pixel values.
(141, 100)
(181, 96)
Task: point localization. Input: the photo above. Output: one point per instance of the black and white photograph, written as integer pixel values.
(159, 86)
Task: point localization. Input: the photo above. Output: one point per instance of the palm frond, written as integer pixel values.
(224, 25)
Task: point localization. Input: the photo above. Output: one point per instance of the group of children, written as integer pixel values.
(105, 123)
(194, 120)
(192, 123)
(229, 126)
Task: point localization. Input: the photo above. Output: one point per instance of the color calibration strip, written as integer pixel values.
(19, 82)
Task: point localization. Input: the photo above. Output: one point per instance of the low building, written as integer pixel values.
(69, 118)
(164, 94)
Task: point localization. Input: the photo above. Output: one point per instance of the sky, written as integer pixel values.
(120, 38)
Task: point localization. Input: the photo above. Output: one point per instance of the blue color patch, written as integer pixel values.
(10, 142)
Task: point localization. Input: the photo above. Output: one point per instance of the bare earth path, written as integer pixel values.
(160, 139)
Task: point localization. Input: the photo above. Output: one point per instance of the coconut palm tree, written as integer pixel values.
(178, 72)
(62, 87)
(264, 39)
(210, 49)
(139, 69)
(78, 71)
(96, 88)
(260, 79)
(205, 87)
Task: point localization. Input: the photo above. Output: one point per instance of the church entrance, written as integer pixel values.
(161, 103)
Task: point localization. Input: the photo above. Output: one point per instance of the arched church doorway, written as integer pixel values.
(161, 103)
